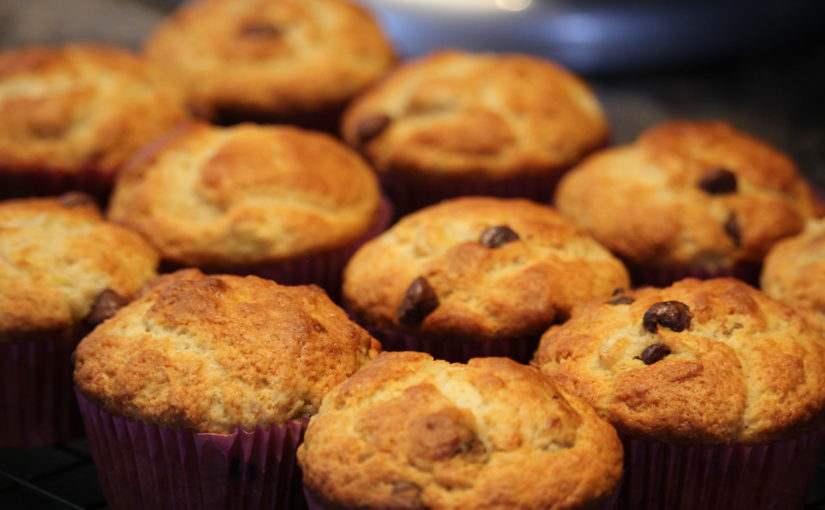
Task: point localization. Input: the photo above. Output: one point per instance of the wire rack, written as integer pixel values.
(63, 478)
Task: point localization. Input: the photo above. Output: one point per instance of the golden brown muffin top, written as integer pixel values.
(271, 56)
(794, 272)
(208, 196)
(80, 107)
(212, 353)
(57, 255)
(688, 193)
(712, 361)
(457, 114)
(495, 268)
(410, 432)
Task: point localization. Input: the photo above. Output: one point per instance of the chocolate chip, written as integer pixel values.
(618, 291)
(653, 353)
(75, 199)
(106, 305)
(621, 300)
(498, 235)
(259, 29)
(718, 181)
(673, 315)
(732, 229)
(371, 126)
(419, 301)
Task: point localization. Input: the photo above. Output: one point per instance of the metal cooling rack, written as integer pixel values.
(63, 478)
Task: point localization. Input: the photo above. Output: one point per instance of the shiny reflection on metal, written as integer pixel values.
(513, 5)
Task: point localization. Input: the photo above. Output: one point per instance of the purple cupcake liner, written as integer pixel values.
(455, 350)
(773, 476)
(316, 502)
(37, 407)
(410, 193)
(146, 466)
(324, 269)
(642, 275)
(44, 181)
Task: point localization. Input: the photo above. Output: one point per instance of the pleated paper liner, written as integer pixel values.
(317, 502)
(654, 276)
(455, 350)
(324, 269)
(148, 467)
(411, 193)
(43, 181)
(37, 406)
(773, 476)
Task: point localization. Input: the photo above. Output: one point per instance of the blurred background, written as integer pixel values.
(759, 64)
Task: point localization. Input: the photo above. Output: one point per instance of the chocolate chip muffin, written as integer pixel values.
(794, 272)
(703, 375)
(688, 199)
(289, 61)
(62, 270)
(73, 114)
(476, 276)
(222, 371)
(279, 202)
(456, 123)
(410, 432)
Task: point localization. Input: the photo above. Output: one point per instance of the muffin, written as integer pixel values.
(456, 123)
(476, 276)
(688, 199)
(278, 202)
(62, 270)
(794, 272)
(289, 61)
(410, 432)
(220, 374)
(717, 392)
(73, 114)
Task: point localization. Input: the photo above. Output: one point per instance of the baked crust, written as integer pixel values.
(212, 353)
(80, 108)
(56, 259)
(794, 272)
(515, 290)
(748, 369)
(644, 201)
(410, 432)
(277, 57)
(217, 197)
(454, 115)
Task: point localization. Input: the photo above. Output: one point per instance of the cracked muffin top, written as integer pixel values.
(216, 197)
(60, 261)
(794, 272)
(458, 114)
(277, 57)
(410, 432)
(688, 194)
(215, 353)
(712, 361)
(80, 108)
(479, 268)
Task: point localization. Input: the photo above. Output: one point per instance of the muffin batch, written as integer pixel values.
(613, 353)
